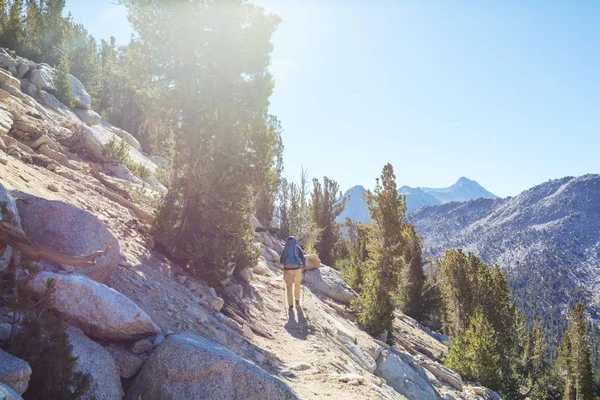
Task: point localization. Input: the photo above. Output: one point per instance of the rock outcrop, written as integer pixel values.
(100, 311)
(10, 214)
(65, 228)
(326, 281)
(405, 377)
(14, 372)
(6, 393)
(185, 366)
(96, 361)
(312, 261)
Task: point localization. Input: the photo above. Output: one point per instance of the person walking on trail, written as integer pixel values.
(294, 265)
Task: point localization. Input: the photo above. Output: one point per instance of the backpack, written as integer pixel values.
(291, 252)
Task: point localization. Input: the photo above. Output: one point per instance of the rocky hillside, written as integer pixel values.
(145, 328)
(463, 190)
(546, 238)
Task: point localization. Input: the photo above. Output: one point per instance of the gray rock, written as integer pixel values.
(6, 121)
(65, 228)
(11, 216)
(96, 361)
(98, 310)
(52, 102)
(160, 161)
(6, 60)
(42, 76)
(88, 117)
(128, 364)
(261, 267)
(236, 289)
(7, 78)
(244, 274)
(81, 97)
(6, 393)
(326, 281)
(29, 88)
(141, 346)
(22, 69)
(14, 372)
(121, 171)
(358, 355)
(211, 297)
(404, 376)
(444, 374)
(256, 224)
(126, 136)
(186, 366)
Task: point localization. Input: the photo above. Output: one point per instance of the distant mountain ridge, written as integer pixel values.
(547, 239)
(463, 190)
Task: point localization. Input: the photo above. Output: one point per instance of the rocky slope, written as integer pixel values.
(143, 327)
(463, 190)
(546, 239)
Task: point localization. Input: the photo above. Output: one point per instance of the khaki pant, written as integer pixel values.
(292, 277)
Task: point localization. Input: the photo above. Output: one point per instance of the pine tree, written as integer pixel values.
(473, 353)
(413, 276)
(84, 60)
(266, 191)
(353, 271)
(574, 358)
(62, 83)
(219, 85)
(12, 33)
(327, 204)
(385, 263)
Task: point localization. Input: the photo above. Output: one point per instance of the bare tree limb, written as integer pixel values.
(12, 236)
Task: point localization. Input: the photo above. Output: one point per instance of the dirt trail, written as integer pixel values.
(312, 362)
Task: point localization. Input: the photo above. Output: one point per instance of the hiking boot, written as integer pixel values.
(297, 304)
(291, 308)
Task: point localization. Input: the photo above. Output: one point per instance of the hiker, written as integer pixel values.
(294, 265)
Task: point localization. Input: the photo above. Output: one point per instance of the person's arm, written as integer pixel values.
(302, 258)
(281, 256)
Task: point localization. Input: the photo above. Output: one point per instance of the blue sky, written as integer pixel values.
(506, 93)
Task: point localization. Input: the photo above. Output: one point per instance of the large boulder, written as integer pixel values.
(81, 98)
(357, 354)
(52, 102)
(326, 281)
(6, 393)
(404, 376)
(42, 76)
(126, 136)
(65, 228)
(93, 359)
(128, 363)
(88, 117)
(312, 261)
(10, 214)
(14, 372)
(186, 366)
(100, 311)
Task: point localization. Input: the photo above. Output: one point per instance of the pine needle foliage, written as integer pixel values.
(217, 88)
(39, 338)
(574, 363)
(386, 246)
(62, 82)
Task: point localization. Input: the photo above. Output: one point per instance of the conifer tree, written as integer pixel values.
(474, 352)
(62, 83)
(12, 33)
(413, 276)
(218, 85)
(353, 271)
(574, 358)
(327, 204)
(374, 305)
